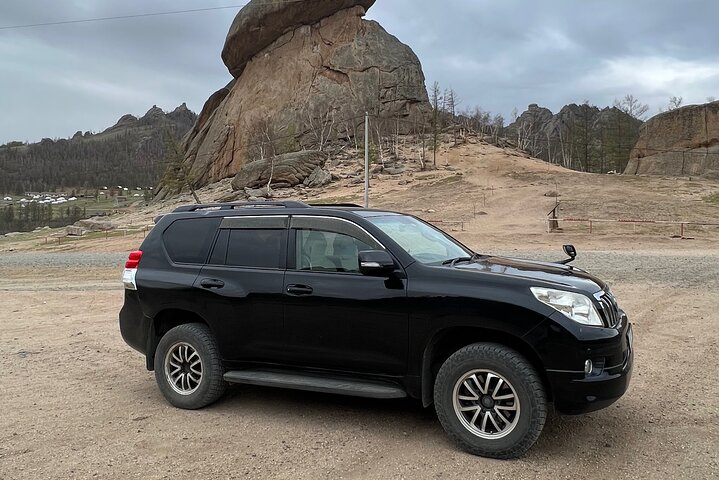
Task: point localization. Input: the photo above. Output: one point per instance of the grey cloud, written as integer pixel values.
(496, 54)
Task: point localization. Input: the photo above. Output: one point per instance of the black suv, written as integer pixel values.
(345, 300)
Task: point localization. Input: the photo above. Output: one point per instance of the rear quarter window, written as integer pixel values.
(189, 240)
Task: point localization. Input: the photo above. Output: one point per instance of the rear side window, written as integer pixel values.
(256, 248)
(190, 240)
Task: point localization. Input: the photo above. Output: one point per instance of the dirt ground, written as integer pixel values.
(78, 403)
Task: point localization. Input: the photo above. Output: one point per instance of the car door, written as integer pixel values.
(242, 287)
(335, 317)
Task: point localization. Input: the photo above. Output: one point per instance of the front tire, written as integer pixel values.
(490, 400)
(188, 367)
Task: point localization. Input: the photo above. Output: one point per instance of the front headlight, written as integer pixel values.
(576, 306)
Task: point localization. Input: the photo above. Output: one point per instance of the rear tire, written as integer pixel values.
(188, 367)
(490, 400)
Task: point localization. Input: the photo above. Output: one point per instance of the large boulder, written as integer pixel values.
(322, 69)
(95, 224)
(681, 142)
(318, 178)
(287, 170)
(261, 22)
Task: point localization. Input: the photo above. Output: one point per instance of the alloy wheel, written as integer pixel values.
(486, 404)
(183, 368)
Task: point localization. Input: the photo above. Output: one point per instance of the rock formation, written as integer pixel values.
(681, 142)
(260, 23)
(301, 68)
(581, 137)
(287, 170)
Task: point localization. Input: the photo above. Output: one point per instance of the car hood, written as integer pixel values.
(560, 275)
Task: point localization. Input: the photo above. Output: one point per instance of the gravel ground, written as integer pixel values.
(667, 269)
(71, 259)
(671, 269)
(78, 403)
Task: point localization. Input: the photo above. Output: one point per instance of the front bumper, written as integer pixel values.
(577, 392)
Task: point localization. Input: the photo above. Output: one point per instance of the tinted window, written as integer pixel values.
(219, 253)
(256, 248)
(190, 240)
(328, 251)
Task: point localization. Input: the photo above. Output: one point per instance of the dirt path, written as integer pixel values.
(77, 402)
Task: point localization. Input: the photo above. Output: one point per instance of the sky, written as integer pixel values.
(498, 55)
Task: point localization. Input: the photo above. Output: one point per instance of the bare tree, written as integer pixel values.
(523, 135)
(263, 142)
(436, 100)
(632, 106)
(496, 127)
(322, 125)
(565, 144)
(420, 131)
(711, 99)
(350, 130)
(379, 126)
(674, 103)
(451, 102)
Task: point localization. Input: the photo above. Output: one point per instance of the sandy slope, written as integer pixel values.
(490, 196)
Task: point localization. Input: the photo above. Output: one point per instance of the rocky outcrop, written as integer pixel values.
(302, 69)
(95, 224)
(182, 116)
(582, 137)
(260, 23)
(287, 170)
(126, 121)
(681, 142)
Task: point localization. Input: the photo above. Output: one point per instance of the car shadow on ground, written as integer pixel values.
(563, 436)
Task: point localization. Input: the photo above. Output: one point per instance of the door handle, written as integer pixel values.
(299, 290)
(210, 283)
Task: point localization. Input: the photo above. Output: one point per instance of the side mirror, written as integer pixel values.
(571, 252)
(376, 263)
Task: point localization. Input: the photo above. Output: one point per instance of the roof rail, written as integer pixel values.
(233, 206)
(349, 205)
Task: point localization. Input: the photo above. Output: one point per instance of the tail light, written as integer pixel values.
(128, 276)
(133, 261)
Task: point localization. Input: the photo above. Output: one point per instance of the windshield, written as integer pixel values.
(424, 242)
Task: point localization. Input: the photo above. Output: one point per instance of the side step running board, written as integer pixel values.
(316, 383)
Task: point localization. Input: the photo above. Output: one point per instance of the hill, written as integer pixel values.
(131, 152)
(580, 137)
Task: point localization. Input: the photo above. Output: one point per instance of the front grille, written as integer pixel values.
(610, 309)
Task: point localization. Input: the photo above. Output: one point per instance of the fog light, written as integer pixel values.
(588, 367)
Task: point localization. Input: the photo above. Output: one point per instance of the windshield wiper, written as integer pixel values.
(454, 261)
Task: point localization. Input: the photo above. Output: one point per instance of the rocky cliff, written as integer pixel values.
(583, 137)
(681, 142)
(302, 70)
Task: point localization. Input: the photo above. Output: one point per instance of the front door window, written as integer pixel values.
(320, 251)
